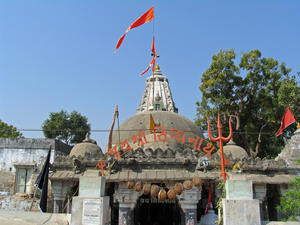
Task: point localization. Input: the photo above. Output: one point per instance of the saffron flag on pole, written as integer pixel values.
(208, 200)
(287, 120)
(152, 124)
(42, 183)
(152, 63)
(109, 145)
(146, 17)
(154, 53)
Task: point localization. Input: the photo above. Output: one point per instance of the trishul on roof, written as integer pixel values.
(220, 139)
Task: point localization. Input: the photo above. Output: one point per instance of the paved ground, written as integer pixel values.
(37, 218)
(279, 223)
(33, 218)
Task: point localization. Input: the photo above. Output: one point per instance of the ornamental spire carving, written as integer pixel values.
(157, 86)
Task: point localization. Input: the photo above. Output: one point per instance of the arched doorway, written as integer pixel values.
(149, 210)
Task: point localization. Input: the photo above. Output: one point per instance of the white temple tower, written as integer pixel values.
(157, 94)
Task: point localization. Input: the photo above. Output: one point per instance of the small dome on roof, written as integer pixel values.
(237, 152)
(87, 145)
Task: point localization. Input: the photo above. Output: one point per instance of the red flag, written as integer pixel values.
(208, 200)
(146, 17)
(152, 63)
(154, 53)
(287, 120)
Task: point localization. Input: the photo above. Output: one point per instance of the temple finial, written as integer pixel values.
(157, 67)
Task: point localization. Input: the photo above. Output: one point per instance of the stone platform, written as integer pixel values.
(33, 218)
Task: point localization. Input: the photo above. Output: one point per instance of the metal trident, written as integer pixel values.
(221, 139)
(101, 165)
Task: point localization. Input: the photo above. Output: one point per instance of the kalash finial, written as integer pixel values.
(157, 67)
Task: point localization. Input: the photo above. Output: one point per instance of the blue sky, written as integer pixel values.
(59, 54)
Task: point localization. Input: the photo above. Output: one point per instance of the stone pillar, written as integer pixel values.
(59, 190)
(91, 206)
(127, 199)
(239, 207)
(259, 192)
(69, 203)
(188, 201)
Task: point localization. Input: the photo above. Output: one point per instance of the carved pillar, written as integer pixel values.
(127, 199)
(60, 190)
(188, 201)
(259, 192)
(69, 206)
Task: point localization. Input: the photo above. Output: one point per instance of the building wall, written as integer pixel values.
(17, 154)
(28, 150)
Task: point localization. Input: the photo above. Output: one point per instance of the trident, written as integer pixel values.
(101, 165)
(221, 139)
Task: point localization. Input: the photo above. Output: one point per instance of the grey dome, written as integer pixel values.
(87, 145)
(168, 120)
(237, 152)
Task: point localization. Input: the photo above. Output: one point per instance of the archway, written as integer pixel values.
(149, 210)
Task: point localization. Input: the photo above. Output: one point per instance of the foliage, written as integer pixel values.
(8, 131)
(257, 99)
(220, 204)
(70, 128)
(290, 201)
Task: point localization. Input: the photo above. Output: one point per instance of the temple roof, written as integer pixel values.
(291, 152)
(172, 175)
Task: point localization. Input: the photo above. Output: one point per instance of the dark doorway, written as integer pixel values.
(149, 210)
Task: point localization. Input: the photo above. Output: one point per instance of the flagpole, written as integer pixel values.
(33, 199)
(119, 128)
(153, 67)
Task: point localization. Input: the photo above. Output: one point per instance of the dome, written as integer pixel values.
(169, 120)
(237, 152)
(87, 145)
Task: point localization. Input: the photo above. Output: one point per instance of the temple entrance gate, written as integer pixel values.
(149, 210)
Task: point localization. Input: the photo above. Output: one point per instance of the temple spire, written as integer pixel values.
(157, 94)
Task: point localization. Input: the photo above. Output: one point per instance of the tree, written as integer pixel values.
(8, 131)
(257, 99)
(290, 201)
(69, 128)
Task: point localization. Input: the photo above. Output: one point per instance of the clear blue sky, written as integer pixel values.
(59, 54)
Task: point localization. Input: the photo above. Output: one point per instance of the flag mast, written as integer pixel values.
(153, 69)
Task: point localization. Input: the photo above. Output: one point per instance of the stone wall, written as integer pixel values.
(28, 150)
(16, 203)
(25, 152)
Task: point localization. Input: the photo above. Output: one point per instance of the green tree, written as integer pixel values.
(290, 201)
(69, 128)
(257, 99)
(8, 131)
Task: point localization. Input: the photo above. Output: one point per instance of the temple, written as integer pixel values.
(161, 168)
(170, 157)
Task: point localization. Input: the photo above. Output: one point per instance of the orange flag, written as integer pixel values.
(109, 145)
(154, 53)
(152, 63)
(208, 200)
(152, 124)
(146, 17)
(287, 120)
